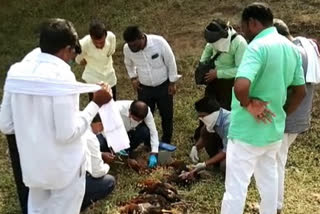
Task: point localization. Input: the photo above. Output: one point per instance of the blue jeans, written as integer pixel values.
(97, 189)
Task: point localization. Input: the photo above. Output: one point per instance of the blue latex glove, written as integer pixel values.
(152, 161)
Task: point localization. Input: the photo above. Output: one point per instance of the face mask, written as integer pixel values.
(222, 44)
(134, 123)
(210, 120)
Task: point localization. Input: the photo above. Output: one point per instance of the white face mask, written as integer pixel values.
(223, 44)
(134, 123)
(210, 120)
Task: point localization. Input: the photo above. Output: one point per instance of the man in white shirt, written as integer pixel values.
(152, 69)
(49, 129)
(139, 123)
(97, 50)
(99, 184)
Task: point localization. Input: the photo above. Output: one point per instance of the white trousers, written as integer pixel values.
(244, 160)
(282, 156)
(61, 201)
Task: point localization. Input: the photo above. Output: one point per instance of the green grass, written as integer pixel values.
(181, 23)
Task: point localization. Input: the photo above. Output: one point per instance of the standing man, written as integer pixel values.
(227, 47)
(269, 66)
(49, 129)
(299, 121)
(152, 69)
(97, 50)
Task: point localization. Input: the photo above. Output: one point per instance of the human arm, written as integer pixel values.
(6, 120)
(297, 89)
(207, 53)
(295, 98)
(257, 108)
(69, 122)
(154, 139)
(169, 61)
(98, 167)
(128, 62)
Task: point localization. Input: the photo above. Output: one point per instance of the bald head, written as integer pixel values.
(139, 109)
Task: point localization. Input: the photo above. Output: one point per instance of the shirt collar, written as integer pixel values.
(49, 58)
(265, 32)
(149, 41)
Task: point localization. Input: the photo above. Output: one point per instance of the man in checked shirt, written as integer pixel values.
(152, 69)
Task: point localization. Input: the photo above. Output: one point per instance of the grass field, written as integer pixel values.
(181, 22)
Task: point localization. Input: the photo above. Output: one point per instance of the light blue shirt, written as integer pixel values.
(222, 126)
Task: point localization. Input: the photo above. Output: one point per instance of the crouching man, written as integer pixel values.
(217, 120)
(99, 184)
(139, 124)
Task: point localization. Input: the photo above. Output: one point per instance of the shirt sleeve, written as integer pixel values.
(238, 54)
(98, 167)
(70, 123)
(112, 41)
(169, 61)
(6, 120)
(207, 53)
(298, 78)
(250, 64)
(154, 140)
(131, 68)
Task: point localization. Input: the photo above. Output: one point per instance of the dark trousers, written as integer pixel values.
(159, 97)
(114, 92)
(221, 90)
(16, 167)
(140, 134)
(97, 189)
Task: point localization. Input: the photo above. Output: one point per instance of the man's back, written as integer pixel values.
(271, 63)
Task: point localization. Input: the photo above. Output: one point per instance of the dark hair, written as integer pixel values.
(217, 25)
(139, 109)
(259, 11)
(97, 29)
(56, 34)
(207, 105)
(132, 33)
(281, 27)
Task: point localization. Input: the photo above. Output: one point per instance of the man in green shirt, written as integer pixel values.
(222, 39)
(269, 66)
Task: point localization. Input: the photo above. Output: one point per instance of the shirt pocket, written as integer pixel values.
(156, 60)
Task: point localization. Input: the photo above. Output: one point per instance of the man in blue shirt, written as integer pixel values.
(216, 120)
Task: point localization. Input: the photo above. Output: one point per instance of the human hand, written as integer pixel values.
(136, 84)
(194, 155)
(199, 167)
(83, 62)
(172, 89)
(103, 96)
(152, 161)
(107, 157)
(258, 109)
(211, 75)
